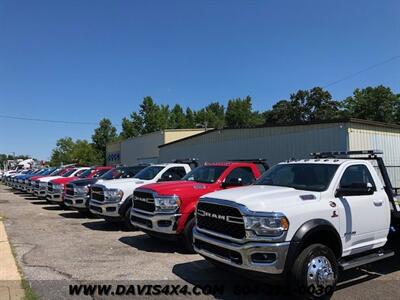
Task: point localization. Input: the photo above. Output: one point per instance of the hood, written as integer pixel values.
(48, 178)
(33, 178)
(266, 198)
(85, 181)
(116, 183)
(64, 180)
(180, 188)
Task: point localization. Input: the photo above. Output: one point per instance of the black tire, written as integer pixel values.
(302, 271)
(127, 220)
(187, 236)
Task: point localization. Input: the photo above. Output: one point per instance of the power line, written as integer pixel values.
(46, 120)
(362, 71)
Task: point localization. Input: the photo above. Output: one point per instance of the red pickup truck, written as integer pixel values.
(166, 209)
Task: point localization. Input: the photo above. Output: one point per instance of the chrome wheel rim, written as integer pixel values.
(320, 276)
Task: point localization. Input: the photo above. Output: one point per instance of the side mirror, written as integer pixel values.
(355, 189)
(232, 183)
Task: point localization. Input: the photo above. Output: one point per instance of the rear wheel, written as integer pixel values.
(187, 236)
(314, 273)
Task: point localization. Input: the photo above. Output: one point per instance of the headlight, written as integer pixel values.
(113, 195)
(267, 225)
(43, 184)
(167, 203)
(82, 190)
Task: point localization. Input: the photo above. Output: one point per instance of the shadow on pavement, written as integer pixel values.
(235, 286)
(148, 243)
(104, 226)
(31, 198)
(369, 272)
(77, 215)
(39, 202)
(52, 207)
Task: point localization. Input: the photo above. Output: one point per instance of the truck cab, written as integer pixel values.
(302, 221)
(166, 209)
(112, 199)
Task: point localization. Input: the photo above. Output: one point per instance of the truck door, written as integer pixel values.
(362, 217)
(240, 176)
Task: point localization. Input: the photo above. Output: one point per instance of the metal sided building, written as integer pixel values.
(144, 148)
(279, 143)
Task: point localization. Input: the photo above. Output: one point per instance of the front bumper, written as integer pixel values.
(76, 201)
(242, 256)
(54, 197)
(40, 192)
(105, 209)
(162, 223)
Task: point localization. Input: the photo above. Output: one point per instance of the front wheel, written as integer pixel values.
(187, 236)
(315, 272)
(127, 220)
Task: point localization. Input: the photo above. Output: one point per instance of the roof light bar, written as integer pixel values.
(334, 154)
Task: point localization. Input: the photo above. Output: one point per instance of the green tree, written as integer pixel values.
(190, 118)
(62, 154)
(150, 112)
(83, 153)
(315, 104)
(177, 117)
(163, 118)
(239, 114)
(103, 135)
(216, 113)
(374, 103)
(132, 127)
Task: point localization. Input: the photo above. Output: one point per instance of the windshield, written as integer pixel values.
(149, 172)
(85, 173)
(310, 177)
(100, 172)
(55, 172)
(205, 174)
(68, 173)
(122, 172)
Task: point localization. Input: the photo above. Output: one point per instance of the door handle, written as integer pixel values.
(378, 202)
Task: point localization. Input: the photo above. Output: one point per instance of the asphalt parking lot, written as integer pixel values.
(55, 248)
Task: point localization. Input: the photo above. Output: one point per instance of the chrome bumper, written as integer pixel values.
(163, 223)
(106, 209)
(40, 193)
(246, 251)
(54, 197)
(75, 201)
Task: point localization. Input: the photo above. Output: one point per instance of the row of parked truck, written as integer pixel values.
(300, 221)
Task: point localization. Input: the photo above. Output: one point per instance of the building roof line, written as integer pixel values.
(307, 123)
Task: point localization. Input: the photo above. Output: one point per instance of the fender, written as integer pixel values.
(125, 205)
(305, 231)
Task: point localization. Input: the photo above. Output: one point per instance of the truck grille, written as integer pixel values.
(144, 201)
(69, 189)
(50, 187)
(214, 217)
(97, 193)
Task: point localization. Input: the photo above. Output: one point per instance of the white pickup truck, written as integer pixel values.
(303, 221)
(112, 199)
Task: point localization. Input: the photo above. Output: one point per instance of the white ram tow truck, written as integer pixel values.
(303, 221)
(112, 199)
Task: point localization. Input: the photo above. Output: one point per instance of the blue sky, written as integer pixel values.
(83, 60)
